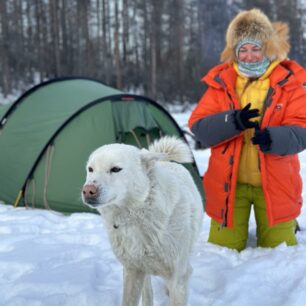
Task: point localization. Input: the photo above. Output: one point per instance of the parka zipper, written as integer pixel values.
(267, 103)
(223, 220)
(224, 212)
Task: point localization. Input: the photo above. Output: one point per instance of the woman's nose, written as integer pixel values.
(249, 57)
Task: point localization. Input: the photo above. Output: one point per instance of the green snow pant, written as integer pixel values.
(236, 238)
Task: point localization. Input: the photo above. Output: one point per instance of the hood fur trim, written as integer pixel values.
(255, 24)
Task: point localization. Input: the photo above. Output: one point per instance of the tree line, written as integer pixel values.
(158, 48)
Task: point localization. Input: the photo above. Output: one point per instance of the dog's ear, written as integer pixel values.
(148, 158)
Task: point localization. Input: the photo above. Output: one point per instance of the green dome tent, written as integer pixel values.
(47, 135)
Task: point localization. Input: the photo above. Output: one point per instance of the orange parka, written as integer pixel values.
(284, 115)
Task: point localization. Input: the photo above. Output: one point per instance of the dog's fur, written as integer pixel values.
(152, 211)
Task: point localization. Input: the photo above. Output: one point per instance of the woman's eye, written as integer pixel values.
(115, 169)
(90, 169)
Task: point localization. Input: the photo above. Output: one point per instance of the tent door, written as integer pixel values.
(139, 137)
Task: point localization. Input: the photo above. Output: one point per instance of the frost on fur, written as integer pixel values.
(173, 149)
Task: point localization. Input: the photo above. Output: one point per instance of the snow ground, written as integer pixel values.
(48, 259)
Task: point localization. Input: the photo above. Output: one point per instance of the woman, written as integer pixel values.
(253, 116)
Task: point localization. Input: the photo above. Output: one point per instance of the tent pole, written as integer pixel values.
(18, 198)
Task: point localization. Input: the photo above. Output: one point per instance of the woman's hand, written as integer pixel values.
(243, 116)
(263, 139)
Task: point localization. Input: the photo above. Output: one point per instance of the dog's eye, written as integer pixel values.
(90, 169)
(115, 169)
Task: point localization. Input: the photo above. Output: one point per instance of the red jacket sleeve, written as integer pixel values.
(208, 105)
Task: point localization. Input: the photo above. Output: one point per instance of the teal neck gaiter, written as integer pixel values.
(254, 70)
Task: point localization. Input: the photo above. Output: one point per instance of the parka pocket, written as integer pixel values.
(283, 175)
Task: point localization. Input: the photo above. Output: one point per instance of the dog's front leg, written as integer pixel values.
(147, 292)
(178, 294)
(178, 288)
(132, 285)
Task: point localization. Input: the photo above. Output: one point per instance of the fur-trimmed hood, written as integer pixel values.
(256, 25)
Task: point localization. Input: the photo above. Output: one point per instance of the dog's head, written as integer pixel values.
(117, 173)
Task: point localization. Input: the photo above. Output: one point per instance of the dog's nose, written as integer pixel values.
(89, 191)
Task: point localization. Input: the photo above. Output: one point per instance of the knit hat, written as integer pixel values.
(255, 25)
(247, 40)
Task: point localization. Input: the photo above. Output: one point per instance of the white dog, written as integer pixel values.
(152, 211)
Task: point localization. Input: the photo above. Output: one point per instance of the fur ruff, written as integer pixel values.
(255, 24)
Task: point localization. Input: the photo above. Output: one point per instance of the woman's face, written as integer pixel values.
(250, 53)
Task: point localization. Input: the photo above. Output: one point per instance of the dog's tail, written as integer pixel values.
(173, 149)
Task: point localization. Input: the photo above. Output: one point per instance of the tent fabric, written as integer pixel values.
(47, 135)
(128, 116)
(3, 111)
